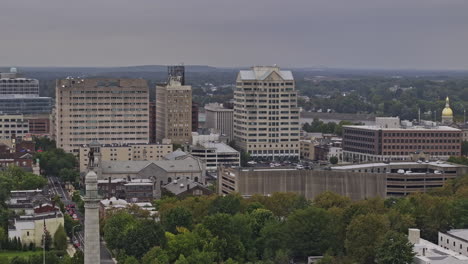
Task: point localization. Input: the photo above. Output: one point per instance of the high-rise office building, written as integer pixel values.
(174, 111)
(105, 110)
(220, 119)
(19, 95)
(266, 116)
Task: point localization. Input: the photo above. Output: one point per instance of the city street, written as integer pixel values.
(55, 188)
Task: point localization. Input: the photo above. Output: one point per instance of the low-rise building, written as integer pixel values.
(391, 140)
(139, 190)
(158, 172)
(355, 181)
(13, 126)
(127, 152)
(34, 213)
(308, 149)
(216, 154)
(430, 253)
(184, 187)
(455, 240)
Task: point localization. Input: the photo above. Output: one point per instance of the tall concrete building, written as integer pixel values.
(20, 95)
(220, 119)
(174, 111)
(105, 110)
(266, 116)
(91, 240)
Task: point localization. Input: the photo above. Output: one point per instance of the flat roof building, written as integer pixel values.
(356, 181)
(105, 110)
(126, 152)
(266, 115)
(174, 111)
(220, 119)
(390, 140)
(216, 154)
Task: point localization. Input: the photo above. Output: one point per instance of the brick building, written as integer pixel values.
(395, 141)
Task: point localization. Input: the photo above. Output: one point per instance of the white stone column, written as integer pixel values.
(92, 254)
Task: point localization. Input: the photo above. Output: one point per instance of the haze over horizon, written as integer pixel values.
(398, 34)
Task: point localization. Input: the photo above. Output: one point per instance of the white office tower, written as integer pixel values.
(91, 244)
(266, 116)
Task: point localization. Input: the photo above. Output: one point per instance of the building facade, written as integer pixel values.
(266, 115)
(194, 117)
(220, 119)
(359, 181)
(216, 154)
(107, 110)
(19, 95)
(381, 143)
(13, 126)
(455, 240)
(13, 83)
(126, 152)
(174, 112)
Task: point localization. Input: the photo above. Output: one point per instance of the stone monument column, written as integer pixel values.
(92, 254)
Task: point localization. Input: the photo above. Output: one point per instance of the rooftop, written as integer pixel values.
(396, 164)
(220, 147)
(408, 128)
(435, 254)
(459, 233)
(179, 186)
(187, 165)
(262, 72)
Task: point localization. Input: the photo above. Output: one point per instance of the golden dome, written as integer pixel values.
(447, 110)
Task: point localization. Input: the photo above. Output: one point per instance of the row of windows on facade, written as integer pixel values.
(104, 98)
(438, 153)
(100, 103)
(243, 94)
(108, 92)
(271, 140)
(276, 151)
(107, 121)
(12, 126)
(107, 109)
(454, 244)
(113, 115)
(423, 134)
(265, 83)
(14, 131)
(109, 133)
(105, 139)
(105, 127)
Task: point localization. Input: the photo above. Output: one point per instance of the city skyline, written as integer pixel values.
(419, 34)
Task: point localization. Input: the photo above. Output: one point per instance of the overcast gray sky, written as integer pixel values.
(422, 34)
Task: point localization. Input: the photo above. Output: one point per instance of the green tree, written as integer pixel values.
(131, 260)
(44, 143)
(309, 232)
(60, 238)
(47, 241)
(363, 235)
(394, 249)
(142, 236)
(333, 160)
(116, 228)
(229, 204)
(156, 256)
(329, 199)
(176, 217)
(68, 175)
